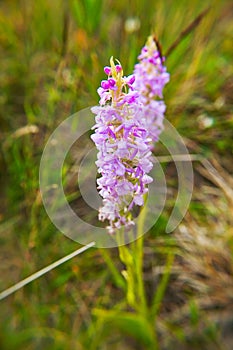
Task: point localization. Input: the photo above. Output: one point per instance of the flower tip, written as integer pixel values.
(118, 68)
(105, 84)
(131, 79)
(111, 82)
(107, 70)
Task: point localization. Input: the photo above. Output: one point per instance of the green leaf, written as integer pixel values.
(194, 313)
(62, 278)
(127, 323)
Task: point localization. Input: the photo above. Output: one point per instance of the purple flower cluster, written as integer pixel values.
(150, 78)
(124, 148)
(112, 88)
(128, 122)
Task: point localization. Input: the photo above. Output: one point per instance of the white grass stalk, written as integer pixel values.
(43, 271)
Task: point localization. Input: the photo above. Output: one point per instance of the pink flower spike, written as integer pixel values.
(151, 77)
(123, 145)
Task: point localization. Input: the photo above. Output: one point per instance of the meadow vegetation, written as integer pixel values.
(52, 58)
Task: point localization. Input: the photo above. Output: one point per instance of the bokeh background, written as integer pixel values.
(52, 58)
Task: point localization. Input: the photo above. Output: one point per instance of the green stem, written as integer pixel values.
(162, 287)
(138, 258)
(132, 257)
(120, 282)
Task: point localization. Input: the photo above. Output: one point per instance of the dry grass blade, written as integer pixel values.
(213, 175)
(202, 274)
(187, 31)
(65, 32)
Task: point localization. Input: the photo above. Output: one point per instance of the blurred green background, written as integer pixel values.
(52, 58)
